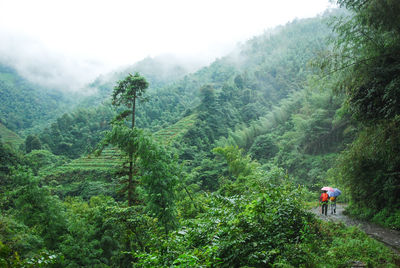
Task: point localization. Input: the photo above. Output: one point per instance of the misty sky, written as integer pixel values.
(54, 41)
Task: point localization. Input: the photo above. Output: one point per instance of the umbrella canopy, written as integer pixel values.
(326, 188)
(335, 193)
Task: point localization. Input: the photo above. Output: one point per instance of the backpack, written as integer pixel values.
(324, 197)
(333, 199)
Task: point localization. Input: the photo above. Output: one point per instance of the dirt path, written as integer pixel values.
(391, 238)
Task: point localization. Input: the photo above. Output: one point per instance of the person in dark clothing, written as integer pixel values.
(323, 200)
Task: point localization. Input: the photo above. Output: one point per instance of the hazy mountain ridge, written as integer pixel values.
(25, 105)
(246, 84)
(159, 72)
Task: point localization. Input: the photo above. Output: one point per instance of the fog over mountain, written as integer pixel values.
(46, 66)
(56, 70)
(67, 44)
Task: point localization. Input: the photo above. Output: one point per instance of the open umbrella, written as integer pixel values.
(336, 192)
(327, 188)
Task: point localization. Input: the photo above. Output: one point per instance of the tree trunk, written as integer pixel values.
(133, 111)
(190, 196)
(130, 174)
(130, 181)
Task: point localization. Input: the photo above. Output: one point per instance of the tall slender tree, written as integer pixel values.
(154, 164)
(126, 93)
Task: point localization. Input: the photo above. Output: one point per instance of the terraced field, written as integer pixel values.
(168, 135)
(111, 157)
(10, 137)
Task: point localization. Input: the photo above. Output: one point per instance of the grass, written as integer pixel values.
(347, 246)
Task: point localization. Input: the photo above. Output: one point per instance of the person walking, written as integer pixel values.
(323, 200)
(333, 204)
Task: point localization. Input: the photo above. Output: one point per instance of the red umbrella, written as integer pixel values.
(327, 188)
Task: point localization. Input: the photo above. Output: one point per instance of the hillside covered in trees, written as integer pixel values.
(170, 166)
(25, 105)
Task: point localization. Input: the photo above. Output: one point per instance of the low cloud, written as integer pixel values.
(46, 67)
(57, 71)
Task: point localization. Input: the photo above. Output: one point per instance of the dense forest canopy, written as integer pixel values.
(171, 165)
(25, 105)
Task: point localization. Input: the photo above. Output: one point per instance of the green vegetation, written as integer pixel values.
(175, 132)
(109, 158)
(25, 106)
(216, 168)
(10, 137)
(128, 140)
(366, 59)
(77, 133)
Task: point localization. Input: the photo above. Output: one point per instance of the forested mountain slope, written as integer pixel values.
(9, 137)
(230, 93)
(235, 89)
(266, 68)
(210, 174)
(159, 71)
(253, 98)
(25, 105)
(29, 108)
(79, 131)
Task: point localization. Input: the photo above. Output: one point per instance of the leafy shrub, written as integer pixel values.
(388, 217)
(263, 148)
(250, 230)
